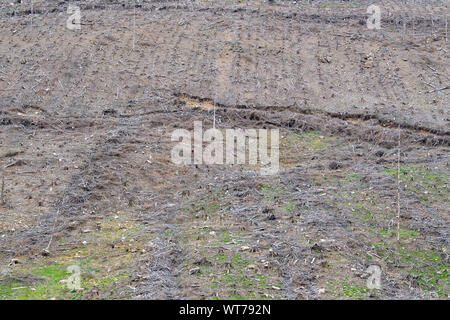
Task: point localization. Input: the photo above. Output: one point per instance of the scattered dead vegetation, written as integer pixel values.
(87, 179)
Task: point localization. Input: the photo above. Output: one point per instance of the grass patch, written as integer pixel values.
(425, 183)
(316, 141)
(404, 233)
(49, 286)
(427, 267)
(270, 193)
(343, 288)
(104, 263)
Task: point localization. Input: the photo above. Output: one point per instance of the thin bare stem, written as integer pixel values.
(2, 199)
(398, 184)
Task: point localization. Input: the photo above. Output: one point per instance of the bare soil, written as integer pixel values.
(86, 118)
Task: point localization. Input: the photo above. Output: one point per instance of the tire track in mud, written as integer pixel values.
(365, 126)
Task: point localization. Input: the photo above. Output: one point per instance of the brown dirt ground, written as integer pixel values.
(85, 124)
